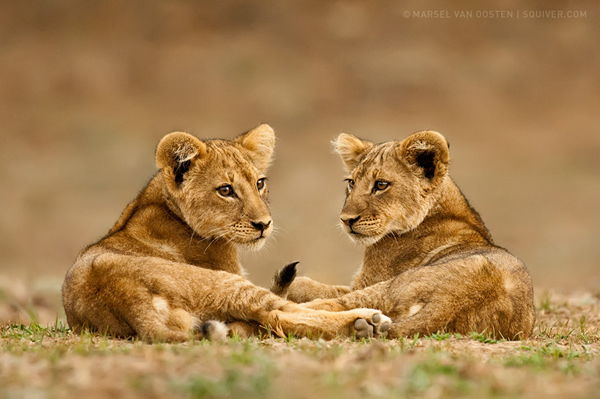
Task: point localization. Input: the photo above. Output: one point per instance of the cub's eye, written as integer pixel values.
(225, 191)
(381, 185)
(260, 184)
(350, 184)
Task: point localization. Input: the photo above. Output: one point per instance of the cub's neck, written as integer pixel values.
(450, 225)
(152, 226)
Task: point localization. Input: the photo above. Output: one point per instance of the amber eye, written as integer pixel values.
(381, 185)
(260, 184)
(225, 191)
(350, 184)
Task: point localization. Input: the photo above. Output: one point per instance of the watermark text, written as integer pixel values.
(495, 14)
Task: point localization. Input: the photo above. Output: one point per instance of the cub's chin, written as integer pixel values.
(364, 239)
(253, 245)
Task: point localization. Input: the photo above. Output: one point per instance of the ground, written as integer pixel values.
(561, 359)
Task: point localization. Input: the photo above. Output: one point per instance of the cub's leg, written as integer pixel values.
(152, 318)
(243, 329)
(295, 319)
(377, 294)
(471, 295)
(465, 295)
(120, 294)
(303, 289)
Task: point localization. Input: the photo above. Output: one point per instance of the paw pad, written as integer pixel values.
(376, 326)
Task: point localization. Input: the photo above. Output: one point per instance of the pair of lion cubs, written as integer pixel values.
(169, 266)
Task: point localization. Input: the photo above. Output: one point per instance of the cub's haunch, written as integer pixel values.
(169, 270)
(430, 263)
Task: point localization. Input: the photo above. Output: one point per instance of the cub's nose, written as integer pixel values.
(261, 226)
(349, 221)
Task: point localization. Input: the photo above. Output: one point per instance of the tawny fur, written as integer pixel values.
(430, 263)
(169, 270)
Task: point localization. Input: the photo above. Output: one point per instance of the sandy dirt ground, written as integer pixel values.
(560, 360)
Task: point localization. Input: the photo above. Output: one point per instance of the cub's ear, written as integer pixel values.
(427, 154)
(174, 154)
(351, 149)
(259, 142)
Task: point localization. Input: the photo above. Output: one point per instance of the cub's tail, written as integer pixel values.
(283, 279)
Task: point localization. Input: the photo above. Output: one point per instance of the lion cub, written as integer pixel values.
(170, 262)
(430, 263)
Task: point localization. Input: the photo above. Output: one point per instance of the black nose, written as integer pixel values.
(350, 221)
(261, 226)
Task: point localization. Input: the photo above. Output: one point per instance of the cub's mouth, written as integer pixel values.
(361, 237)
(251, 240)
(254, 243)
(357, 234)
(255, 240)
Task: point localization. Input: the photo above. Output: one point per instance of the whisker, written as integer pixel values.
(192, 238)
(395, 236)
(220, 234)
(278, 229)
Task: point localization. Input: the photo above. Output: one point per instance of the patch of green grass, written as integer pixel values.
(545, 301)
(566, 330)
(34, 332)
(440, 336)
(535, 361)
(550, 356)
(243, 371)
(483, 338)
(291, 338)
(436, 370)
(557, 331)
(235, 383)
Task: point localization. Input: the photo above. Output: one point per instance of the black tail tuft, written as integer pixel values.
(283, 278)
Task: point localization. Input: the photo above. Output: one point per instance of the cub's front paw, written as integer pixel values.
(375, 324)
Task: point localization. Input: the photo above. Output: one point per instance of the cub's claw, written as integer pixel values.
(374, 326)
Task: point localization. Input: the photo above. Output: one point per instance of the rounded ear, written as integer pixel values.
(174, 154)
(259, 144)
(351, 149)
(427, 154)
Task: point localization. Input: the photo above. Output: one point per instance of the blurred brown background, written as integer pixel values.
(88, 88)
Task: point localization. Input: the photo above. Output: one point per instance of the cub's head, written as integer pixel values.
(393, 185)
(218, 187)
